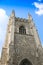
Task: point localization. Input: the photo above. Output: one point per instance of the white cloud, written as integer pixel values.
(3, 25)
(40, 8)
(39, 0)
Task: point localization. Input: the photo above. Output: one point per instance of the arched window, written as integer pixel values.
(22, 30)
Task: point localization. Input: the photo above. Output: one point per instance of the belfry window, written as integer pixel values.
(22, 30)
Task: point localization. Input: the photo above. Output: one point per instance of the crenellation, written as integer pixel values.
(21, 19)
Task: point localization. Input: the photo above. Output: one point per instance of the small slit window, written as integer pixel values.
(22, 30)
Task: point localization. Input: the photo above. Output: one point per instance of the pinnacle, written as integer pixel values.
(13, 13)
(29, 16)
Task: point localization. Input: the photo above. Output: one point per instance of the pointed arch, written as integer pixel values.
(25, 62)
(22, 30)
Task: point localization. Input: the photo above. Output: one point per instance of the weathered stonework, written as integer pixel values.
(21, 49)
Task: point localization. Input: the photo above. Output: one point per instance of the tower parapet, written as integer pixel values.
(21, 19)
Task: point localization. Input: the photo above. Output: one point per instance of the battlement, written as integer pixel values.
(12, 16)
(21, 19)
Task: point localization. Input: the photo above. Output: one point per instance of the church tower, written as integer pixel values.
(22, 45)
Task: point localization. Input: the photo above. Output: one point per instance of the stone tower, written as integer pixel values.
(22, 45)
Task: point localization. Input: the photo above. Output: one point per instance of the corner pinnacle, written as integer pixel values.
(13, 13)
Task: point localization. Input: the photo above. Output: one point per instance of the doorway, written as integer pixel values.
(25, 62)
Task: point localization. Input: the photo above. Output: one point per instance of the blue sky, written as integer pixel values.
(22, 8)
